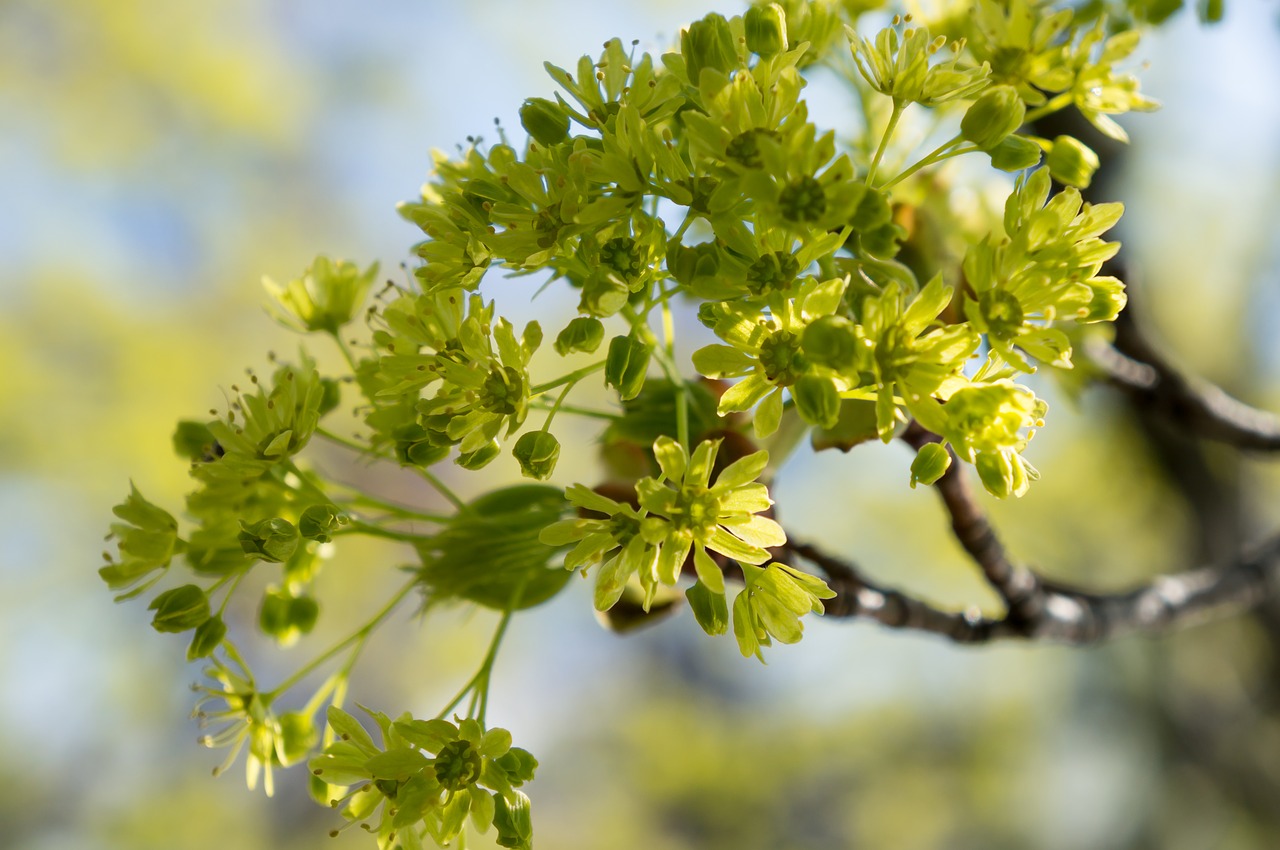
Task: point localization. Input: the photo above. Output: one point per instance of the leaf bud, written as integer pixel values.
(179, 609)
(537, 452)
(1072, 162)
(993, 117)
(766, 29)
(544, 120)
(626, 365)
(271, 540)
(931, 462)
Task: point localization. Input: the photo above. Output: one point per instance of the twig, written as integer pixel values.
(1136, 367)
(1067, 616)
(1018, 586)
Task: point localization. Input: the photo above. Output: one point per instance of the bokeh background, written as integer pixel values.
(157, 157)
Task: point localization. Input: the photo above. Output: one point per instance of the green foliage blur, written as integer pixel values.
(164, 156)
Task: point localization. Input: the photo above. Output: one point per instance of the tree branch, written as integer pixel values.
(1020, 588)
(1134, 365)
(1067, 616)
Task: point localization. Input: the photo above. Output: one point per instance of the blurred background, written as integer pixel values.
(157, 158)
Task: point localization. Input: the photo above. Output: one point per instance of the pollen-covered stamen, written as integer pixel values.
(781, 358)
(803, 200)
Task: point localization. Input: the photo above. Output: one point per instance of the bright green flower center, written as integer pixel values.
(1002, 313)
(503, 391)
(781, 358)
(803, 200)
(696, 510)
(774, 271)
(458, 765)
(744, 149)
(623, 256)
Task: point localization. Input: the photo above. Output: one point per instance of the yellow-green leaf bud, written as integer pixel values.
(1072, 162)
(766, 28)
(537, 452)
(545, 120)
(993, 117)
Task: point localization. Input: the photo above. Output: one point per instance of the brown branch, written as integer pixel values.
(1134, 365)
(1067, 616)
(1018, 586)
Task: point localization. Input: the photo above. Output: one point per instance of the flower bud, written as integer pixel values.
(817, 400)
(996, 472)
(318, 522)
(993, 117)
(710, 609)
(831, 341)
(603, 295)
(206, 638)
(286, 617)
(537, 452)
(512, 821)
(582, 334)
(626, 365)
(271, 540)
(179, 609)
(931, 462)
(766, 28)
(544, 120)
(708, 43)
(518, 764)
(1015, 153)
(1072, 162)
(481, 457)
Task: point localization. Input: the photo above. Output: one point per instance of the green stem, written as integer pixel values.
(884, 141)
(346, 351)
(347, 443)
(555, 408)
(1060, 102)
(442, 488)
(371, 530)
(571, 378)
(357, 637)
(403, 511)
(580, 411)
(946, 151)
(231, 592)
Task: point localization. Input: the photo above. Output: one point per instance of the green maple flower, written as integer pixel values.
(767, 352)
(1045, 270)
(146, 541)
(908, 356)
(274, 740)
(989, 425)
(326, 297)
(770, 606)
(427, 779)
(1098, 90)
(678, 513)
(898, 65)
